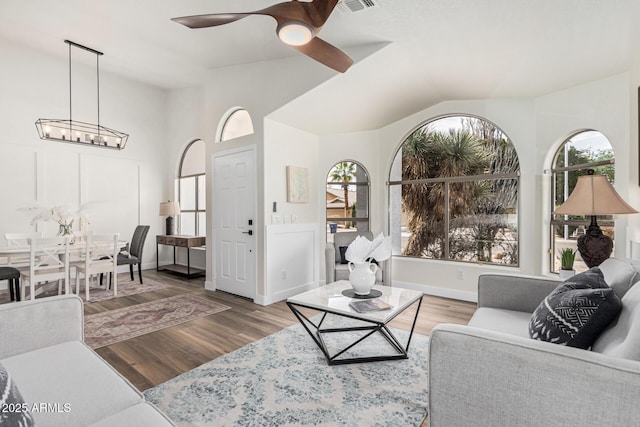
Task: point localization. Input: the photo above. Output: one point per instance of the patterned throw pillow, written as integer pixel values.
(576, 311)
(13, 410)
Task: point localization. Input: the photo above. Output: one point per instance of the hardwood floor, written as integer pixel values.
(151, 359)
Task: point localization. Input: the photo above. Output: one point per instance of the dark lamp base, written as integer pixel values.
(169, 230)
(594, 249)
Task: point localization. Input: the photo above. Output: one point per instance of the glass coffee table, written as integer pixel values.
(335, 316)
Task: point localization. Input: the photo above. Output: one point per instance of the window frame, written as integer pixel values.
(359, 220)
(229, 119)
(603, 220)
(199, 229)
(447, 181)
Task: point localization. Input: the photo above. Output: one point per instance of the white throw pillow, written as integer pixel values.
(620, 274)
(622, 338)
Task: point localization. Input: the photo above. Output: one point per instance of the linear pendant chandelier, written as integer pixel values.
(76, 132)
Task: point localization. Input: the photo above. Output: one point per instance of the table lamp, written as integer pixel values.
(594, 195)
(169, 209)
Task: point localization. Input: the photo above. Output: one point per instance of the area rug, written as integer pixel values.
(125, 287)
(106, 328)
(284, 380)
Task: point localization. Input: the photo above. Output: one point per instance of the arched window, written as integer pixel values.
(236, 124)
(453, 191)
(582, 151)
(192, 190)
(347, 198)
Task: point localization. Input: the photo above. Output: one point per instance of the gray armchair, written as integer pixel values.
(336, 270)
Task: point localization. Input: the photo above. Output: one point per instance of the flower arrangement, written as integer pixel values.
(61, 215)
(365, 250)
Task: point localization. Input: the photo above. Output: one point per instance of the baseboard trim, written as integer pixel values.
(283, 295)
(439, 292)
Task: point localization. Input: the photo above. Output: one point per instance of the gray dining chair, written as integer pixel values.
(132, 254)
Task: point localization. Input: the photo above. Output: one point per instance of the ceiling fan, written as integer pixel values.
(298, 24)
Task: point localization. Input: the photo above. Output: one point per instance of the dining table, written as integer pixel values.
(23, 252)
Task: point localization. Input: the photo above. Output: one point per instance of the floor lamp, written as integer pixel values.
(593, 195)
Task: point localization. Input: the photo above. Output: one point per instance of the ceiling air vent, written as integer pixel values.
(352, 6)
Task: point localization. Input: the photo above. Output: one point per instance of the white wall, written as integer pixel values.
(185, 123)
(286, 146)
(292, 259)
(126, 186)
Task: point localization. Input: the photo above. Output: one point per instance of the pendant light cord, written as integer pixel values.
(70, 99)
(97, 53)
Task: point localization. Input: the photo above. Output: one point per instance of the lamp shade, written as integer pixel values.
(169, 208)
(594, 195)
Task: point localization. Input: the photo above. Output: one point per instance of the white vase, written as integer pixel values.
(565, 274)
(362, 277)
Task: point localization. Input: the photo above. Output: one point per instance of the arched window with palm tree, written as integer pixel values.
(453, 192)
(347, 198)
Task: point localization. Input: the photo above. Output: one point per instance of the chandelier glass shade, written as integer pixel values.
(77, 132)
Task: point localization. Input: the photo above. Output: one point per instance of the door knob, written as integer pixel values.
(250, 232)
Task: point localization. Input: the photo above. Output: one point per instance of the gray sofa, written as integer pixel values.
(42, 348)
(491, 373)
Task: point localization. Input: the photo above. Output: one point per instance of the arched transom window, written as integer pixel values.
(238, 123)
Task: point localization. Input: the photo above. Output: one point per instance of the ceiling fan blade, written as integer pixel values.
(326, 54)
(320, 11)
(282, 12)
(212, 20)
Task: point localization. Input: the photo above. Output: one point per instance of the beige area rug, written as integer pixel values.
(103, 329)
(125, 287)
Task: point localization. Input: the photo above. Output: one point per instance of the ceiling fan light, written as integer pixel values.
(295, 33)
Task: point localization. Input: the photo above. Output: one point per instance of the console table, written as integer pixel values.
(179, 241)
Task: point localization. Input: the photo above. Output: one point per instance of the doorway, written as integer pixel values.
(234, 226)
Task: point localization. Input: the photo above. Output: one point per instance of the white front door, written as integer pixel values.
(234, 202)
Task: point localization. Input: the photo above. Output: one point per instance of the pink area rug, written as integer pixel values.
(106, 328)
(125, 287)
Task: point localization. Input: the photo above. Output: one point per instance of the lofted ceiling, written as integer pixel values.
(425, 51)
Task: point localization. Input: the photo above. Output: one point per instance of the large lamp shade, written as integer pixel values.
(169, 209)
(594, 195)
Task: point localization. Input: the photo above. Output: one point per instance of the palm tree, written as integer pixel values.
(344, 173)
(488, 220)
(428, 154)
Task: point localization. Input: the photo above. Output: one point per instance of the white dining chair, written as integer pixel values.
(100, 256)
(20, 261)
(77, 256)
(48, 261)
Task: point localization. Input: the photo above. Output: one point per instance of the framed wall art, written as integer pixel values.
(297, 184)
